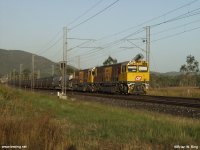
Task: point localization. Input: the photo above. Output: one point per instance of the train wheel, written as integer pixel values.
(125, 89)
(121, 88)
(139, 89)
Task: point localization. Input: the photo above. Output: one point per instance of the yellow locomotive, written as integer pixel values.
(126, 78)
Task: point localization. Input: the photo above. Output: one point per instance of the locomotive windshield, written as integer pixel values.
(142, 68)
(132, 68)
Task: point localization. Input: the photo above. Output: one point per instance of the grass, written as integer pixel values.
(24, 125)
(176, 91)
(45, 122)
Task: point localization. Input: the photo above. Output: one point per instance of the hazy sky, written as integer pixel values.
(36, 26)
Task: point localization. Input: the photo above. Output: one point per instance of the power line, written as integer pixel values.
(113, 43)
(183, 25)
(50, 41)
(94, 15)
(50, 46)
(78, 45)
(189, 14)
(146, 21)
(88, 10)
(150, 20)
(176, 34)
(169, 36)
(96, 50)
(81, 22)
(155, 19)
(116, 42)
(103, 54)
(81, 39)
(182, 16)
(185, 15)
(185, 5)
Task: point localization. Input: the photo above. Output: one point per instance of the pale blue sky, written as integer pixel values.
(36, 26)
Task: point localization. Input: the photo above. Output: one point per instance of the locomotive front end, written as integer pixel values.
(138, 77)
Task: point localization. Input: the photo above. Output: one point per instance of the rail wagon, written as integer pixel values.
(83, 80)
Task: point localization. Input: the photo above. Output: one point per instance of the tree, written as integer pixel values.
(109, 61)
(190, 70)
(192, 65)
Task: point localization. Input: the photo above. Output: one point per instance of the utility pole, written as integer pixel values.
(14, 76)
(148, 44)
(38, 74)
(52, 73)
(10, 78)
(64, 65)
(7, 76)
(33, 70)
(79, 65)
(20, 75)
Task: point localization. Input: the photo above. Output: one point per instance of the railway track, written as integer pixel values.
(176, 101)
(176, 106)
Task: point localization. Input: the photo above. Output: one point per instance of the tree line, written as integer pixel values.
(189, 76)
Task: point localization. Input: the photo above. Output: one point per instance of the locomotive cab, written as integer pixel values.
(134, 77)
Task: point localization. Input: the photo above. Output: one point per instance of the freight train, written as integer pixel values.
(131, 77)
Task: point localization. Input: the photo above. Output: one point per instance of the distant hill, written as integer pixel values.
(11, 59)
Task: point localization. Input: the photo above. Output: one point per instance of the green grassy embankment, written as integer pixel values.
(45, 122)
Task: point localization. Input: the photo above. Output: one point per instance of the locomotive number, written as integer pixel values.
(138, 78)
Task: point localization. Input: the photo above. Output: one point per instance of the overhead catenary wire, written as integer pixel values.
(170, 20)
(70, 49)
(163, 38)
(81, 39)
(49, 42)
(166, 14)
(110, 44)
(176, 27)
(45, 50)
(182, 16)
(84, 13)
(52, 45)
(104, 54)
(101, 11)
(169, 12)
(117, 42)
(173, 19)
(175, 34)
(150, 20)
(77, 18)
